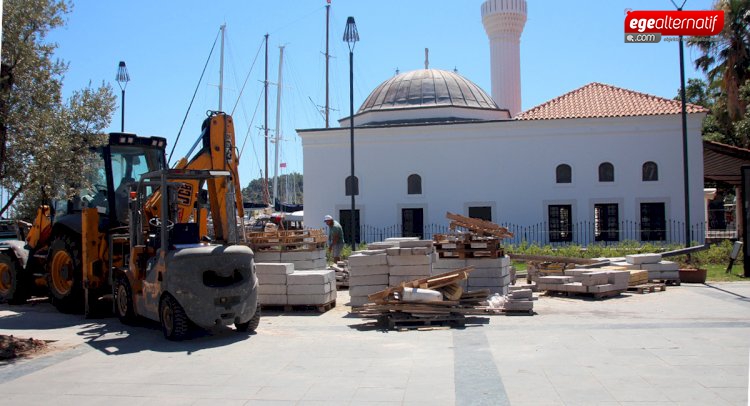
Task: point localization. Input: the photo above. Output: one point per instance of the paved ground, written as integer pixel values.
(688, 345)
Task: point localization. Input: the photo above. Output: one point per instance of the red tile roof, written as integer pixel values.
(597, 100)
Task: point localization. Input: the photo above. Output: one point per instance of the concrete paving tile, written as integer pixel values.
(396, 380)
(219, 401)
(695, 394)
(429, 393)
(734, 396)
(292, 392)
(381, 394)
(262, 402)
(632, 389)
(333, 390)
(322, 403)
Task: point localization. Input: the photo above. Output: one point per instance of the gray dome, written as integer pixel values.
(427, 88)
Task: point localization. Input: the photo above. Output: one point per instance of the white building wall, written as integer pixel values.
(507, 165)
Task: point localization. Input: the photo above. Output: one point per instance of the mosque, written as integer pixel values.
(599, 163)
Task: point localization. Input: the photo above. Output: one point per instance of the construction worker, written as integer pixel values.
(335, 238)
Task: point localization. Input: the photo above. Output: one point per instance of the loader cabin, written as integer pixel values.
(122, 162)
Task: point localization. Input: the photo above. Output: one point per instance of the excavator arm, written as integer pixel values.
(217, 153)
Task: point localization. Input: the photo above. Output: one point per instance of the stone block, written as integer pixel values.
(311, 277)
(369, 270)
(381, 245)
(421, 250)
(488, 262)
(555, 279)
(267, 256)
(371, 252)
(314, 299)
(272, 279)
(409, 260)
(500, 290)
(394, 251)
(625, 265)
(272, 289)
(521, 294)
(619, 278)
(308, 289)
(661, 266)
(520, 286)
(609, 287)
(637, 259)
(575, 287)
(356, 280)
(496, 281)
(358, 300)
(415, 243)
(447, 263)
(395, 280)
(397, 240)
(367, 260)
(409, 269)
(315, 264)
(265, 268)
(664, 275)
(364, 290)
(489, 272)
(272, 299)
(292, 256)
(594, 278)
(525, 305)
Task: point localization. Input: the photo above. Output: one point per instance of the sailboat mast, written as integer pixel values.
(221, 66)
(328, 56)
(265, 129)
(278, 126)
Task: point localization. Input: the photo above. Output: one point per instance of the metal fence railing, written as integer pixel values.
(581, 233)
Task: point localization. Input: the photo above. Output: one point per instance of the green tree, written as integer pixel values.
(45, 141)
(726, 58)
(254, 190)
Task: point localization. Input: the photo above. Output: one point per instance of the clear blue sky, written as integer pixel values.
(165, 44)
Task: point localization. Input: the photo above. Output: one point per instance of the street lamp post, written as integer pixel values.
(685, 167)
(351, 36)
(122, 79)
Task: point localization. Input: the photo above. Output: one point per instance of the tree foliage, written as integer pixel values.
(254, 190)
(45, 141)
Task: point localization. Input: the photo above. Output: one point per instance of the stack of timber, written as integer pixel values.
(467, 245)
(437, 300)
(479, 227)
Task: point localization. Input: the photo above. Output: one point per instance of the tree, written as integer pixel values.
(254, 190)
(45, 142)
(726, 58)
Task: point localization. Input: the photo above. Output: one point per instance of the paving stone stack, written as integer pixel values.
(596, 281)
(489, 273)
(410, 260)
(311, 287)
(302, 260)
(653, 263)
(272, 282)
(368, 273)
(519, 300)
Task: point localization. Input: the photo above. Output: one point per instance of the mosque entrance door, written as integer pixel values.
(412, 223)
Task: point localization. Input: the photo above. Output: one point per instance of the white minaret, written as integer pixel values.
(503, 21)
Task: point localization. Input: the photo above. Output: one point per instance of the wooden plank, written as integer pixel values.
(550, 258)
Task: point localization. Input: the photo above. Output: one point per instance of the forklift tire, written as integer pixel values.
(64, 275)
(174, 321)
(14, 289)
(251, 325)
(123, 298)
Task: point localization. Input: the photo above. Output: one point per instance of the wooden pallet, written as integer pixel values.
(320, 308)
(648, 288)
(406, 321)
(668, 282)
(470, 253)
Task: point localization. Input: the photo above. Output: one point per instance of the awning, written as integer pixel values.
(723, 163)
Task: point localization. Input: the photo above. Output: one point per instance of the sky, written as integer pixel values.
(166, 44)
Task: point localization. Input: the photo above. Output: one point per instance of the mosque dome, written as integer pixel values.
(427, 95)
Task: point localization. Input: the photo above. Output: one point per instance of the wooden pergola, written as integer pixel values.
(723, 163)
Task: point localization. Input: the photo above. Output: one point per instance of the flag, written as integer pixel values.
(282, 165)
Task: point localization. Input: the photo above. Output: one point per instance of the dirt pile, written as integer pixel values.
(13, 347)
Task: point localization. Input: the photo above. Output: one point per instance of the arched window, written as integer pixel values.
(563, 173)
(650, 171)
(606, 172)
(414, 184)
(349, 187)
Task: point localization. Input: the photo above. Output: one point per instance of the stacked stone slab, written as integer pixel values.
(368, 273)
(272, 282)
(411, 260)
(653, 263)
(311, 287)
(302, 260)
(519, 300)
(586, 281)
(489, 273)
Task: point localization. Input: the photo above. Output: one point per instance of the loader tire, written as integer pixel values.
(251, 325)
(123, 298)
(174, 321)
(64, 275)
(14, 287)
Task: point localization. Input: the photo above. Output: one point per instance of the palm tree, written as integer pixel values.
(726, 58)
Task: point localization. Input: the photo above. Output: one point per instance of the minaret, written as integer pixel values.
(503, 21)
